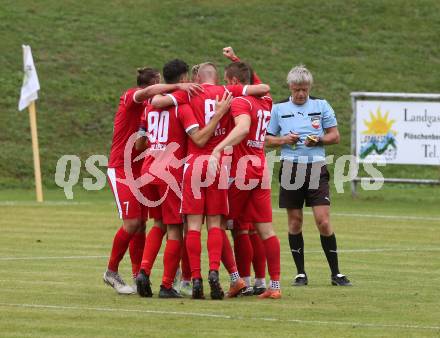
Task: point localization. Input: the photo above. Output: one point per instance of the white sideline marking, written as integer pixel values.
(346, 214)
(377, 250)
(46, 203)
(48, 257)
(54, 257)
(219, 316)
(373, 250)
(342, 214)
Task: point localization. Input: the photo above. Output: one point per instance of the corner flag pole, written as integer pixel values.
(35, 151)
(28, 96)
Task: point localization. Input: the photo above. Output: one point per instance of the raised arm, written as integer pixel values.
(229, 53)
(201, 136)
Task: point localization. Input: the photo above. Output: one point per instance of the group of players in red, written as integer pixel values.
(198, 158)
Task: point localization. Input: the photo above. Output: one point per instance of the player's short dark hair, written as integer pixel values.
(241, 70)
(147, 76)
(173, 70)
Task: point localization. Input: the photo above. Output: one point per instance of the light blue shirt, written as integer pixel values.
(311, 118)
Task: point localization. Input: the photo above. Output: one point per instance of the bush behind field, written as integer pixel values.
(86, 54)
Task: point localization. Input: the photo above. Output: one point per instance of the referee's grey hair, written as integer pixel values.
(299, 75)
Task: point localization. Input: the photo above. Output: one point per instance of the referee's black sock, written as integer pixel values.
(331, 252)
(296, 243)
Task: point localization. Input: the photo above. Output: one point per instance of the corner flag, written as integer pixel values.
(31, 85)
(29, 93)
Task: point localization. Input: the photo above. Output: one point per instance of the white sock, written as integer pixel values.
(185, 283)
(234, 277)
(247, 280)
(260, 282)
(275, 284)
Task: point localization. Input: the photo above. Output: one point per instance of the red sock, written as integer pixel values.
(153, 242)
(171, 259)
(186, 269)
(243, 254)
(259, 258)
(136, 249)
(120, 246)
(228, 255)
(194, 250)
(215, 247)
(272, 249)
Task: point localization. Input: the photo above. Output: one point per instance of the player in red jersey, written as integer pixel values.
(166, 130)
(126, 123)
(202, 195)
(249, 194)
(248, 246)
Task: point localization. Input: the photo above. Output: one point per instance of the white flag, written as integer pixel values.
(31, 86)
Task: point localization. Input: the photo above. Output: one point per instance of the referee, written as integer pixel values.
(302, 125)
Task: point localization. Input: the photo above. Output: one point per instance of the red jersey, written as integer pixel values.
(203, 106)
(167, 140)
(259, 111)
(125, 124)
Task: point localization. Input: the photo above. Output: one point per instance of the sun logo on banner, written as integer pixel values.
(379, 125)
(379, 136)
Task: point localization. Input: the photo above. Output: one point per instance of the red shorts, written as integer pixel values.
(169, 210)
(201, 200)
(128, 205)
(241, 226)
(250, 206)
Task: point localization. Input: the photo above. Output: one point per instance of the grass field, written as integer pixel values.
(52, 257)
(86, 53)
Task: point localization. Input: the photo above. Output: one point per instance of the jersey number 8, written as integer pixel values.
(210, 111)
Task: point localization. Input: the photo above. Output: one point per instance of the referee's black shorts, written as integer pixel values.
(314, 190)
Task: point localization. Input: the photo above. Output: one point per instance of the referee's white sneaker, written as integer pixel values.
(116, 282)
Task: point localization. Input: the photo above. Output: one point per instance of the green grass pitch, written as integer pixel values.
(86, 54)
(52, 257)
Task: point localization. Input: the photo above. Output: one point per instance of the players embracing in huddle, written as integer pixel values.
(188, 177)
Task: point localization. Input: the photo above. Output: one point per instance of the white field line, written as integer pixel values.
(346, 214)
(220, 316)
(48, 258)
(46, 203)
(378, 250)
(372, 250)
(275, 210)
